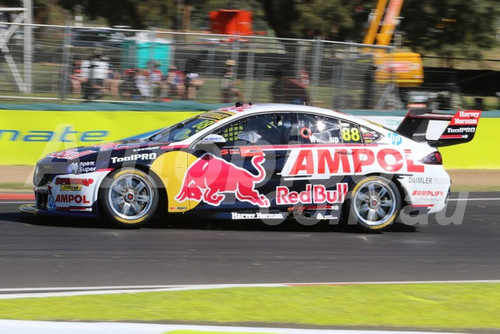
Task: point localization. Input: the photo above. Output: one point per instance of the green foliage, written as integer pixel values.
(450, 28)
(116, 12)
(330, 19)
(157, 13)
(209, 332)
(281, 16)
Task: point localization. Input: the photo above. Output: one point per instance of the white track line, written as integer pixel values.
(81, 291)
(51, 327)
(223, 286)
(474, 199)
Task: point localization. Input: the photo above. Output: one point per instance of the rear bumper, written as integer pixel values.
(429, 191)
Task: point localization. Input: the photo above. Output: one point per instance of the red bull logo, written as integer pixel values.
(209, 178)
(314, 194)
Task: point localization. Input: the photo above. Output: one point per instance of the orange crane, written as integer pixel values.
(404, 68)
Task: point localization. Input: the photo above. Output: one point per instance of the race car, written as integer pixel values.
(268, 162)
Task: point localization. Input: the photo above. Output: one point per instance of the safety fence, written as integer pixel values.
(87, 63)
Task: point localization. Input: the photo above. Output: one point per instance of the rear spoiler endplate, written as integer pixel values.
(439, 129)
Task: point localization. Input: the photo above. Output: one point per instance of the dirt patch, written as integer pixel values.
(474, 179)
(16, 174)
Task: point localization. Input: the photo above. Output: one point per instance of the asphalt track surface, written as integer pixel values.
(37, 252)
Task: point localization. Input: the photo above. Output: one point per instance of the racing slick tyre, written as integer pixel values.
(129, 198)
(374, 203)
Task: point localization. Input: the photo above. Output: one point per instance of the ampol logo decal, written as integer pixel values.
(210, 177)
(323, 162)
(79, 199)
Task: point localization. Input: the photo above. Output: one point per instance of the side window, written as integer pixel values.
(318, 129)
(255, 130)
(231, 132)
(321, 129)
(369, 136)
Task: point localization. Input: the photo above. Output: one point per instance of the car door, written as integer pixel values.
(245, 168)
(320, 166)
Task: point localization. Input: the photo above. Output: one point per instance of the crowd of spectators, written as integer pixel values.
(96, 78)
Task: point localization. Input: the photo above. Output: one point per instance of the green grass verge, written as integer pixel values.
(458, 306)
(204, 332)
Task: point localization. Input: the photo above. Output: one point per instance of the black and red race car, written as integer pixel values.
(266, 162)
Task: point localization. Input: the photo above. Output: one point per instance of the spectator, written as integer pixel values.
(128, 87)
(95, 71)
(287, 89)
(192, 79)
(229, 83)
(175, 82)
(76, 77)
(191, 84)
(142, 83)
(113, 83)
(155, 81)
(304, 77)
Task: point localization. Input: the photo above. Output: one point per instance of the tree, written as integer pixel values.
(116, 12)
(450, 28)
(281, 15)
(330, 19)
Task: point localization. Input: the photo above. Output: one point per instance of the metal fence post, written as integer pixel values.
(341, 81)
(260, 74)
(235, 53)
(335, 77)
(249, 73)
(65, 65)
(209, 71)
(315, 77)
(28, 46)
(152, 41)
(300, 58)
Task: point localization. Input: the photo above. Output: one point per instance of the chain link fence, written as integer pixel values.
(88, 63)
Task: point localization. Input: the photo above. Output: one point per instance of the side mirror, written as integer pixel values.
(213, 139)
(250, 136)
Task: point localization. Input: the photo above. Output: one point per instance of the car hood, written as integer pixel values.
(89, 152)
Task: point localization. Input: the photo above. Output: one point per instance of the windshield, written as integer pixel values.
(189, 127)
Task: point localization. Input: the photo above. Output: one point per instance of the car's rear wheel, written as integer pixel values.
(375, 203)
(129, 198)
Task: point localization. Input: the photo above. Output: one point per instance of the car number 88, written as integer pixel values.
(350, 134)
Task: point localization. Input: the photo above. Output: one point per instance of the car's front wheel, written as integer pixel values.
(129, 198)
(375, 203)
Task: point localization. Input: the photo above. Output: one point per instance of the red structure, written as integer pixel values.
(231, 22)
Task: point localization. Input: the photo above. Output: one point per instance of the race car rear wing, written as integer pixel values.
(439, 129)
